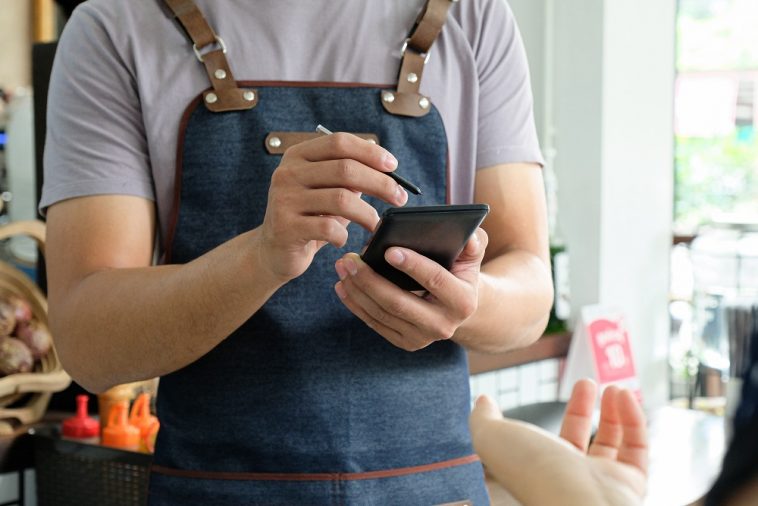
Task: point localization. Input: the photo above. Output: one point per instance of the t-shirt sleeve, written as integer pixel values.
(506, 129)
(95, 141)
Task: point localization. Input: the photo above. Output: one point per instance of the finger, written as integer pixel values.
(608, 437)
(343, 145)
(389, 334)
(343, 203)
(475, 246)
(469, 262)
(342, 221)
(416, 316)
(485, 411)
(486, 408)
(347, 173)
(321, 228)
(387, 317)
(438, 281)
(577, 422)
(634, 444)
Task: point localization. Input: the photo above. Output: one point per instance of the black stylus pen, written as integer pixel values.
(399, 180)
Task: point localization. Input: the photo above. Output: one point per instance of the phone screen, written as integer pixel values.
(437, 232)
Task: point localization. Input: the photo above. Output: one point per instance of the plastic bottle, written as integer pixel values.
(118, 432)
(111, 397)
(147, 424)
(81, 427)
(151, 434)
(559, 259)
(559, 264)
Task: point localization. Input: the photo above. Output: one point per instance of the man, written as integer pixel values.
(291, 372)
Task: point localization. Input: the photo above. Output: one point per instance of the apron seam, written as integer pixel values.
(332, 477)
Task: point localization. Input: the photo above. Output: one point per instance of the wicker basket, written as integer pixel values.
(48, 376)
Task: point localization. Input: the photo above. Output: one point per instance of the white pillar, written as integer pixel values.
(613, 96)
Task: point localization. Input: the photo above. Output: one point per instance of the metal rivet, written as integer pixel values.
(388, 97)
(423, 103)
(412, 77)
(275, 142)
(211, 98)
(220, 74)
(249, 96)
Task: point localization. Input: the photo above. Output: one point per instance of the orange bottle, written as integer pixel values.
(147, 424)
(118, 433)
(152, 433)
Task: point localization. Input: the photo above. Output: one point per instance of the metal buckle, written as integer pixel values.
(200, 57)
(405, 46)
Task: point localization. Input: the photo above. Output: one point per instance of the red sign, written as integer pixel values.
(613, 354)
(602, 350)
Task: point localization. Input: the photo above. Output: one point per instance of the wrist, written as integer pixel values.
(260, 265)
(467, 332)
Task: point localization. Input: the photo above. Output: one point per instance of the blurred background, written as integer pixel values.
(646, 112)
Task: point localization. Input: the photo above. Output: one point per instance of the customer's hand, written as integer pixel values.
(538, 468)
(407, 320)
(315, 192)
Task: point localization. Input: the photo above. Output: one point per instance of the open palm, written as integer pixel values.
(538, 468)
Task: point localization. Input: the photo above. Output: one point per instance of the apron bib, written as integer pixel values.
(304, 404)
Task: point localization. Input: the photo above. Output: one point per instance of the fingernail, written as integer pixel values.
(395, 256)
(340, 291)
(390, 162)
(401, 197)
(351, 267)
(341, 272)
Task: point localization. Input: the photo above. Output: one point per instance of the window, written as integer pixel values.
(716, 112)
(716, 182)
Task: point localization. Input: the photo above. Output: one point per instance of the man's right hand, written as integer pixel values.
(315, 192)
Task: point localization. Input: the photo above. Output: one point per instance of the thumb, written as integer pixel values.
(476, 244)
(474, 249)
(485, 412)
(486, 408)
(468, 263)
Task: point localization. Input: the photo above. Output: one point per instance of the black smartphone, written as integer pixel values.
(437, 232)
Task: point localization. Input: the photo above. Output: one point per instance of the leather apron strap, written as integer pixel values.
(225, 95)
(407, 101)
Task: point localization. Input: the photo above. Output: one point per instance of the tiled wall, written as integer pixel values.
(515, 386)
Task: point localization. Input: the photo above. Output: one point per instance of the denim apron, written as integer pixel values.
(304, 404)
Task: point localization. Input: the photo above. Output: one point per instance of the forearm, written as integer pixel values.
(515, 295)
(121, 325)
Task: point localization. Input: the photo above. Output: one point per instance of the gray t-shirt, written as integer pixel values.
(124, 73)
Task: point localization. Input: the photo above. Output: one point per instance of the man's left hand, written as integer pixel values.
(407, 320)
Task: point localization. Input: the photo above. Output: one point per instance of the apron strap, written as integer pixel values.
(224, 95)
(407, 101)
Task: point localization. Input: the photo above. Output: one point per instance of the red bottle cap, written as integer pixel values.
(81, 426)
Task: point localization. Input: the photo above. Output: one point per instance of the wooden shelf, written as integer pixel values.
(548, 346)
